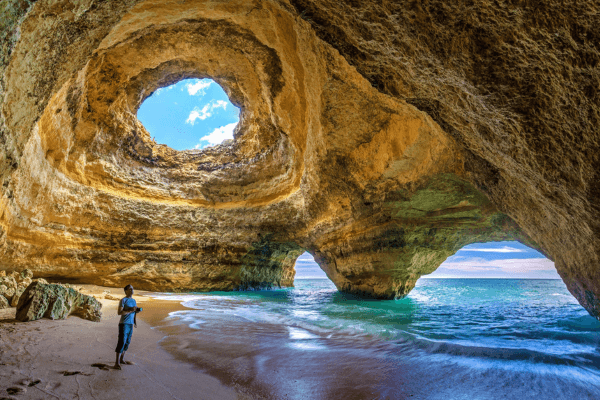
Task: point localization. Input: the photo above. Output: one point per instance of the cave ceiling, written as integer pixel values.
(379, 136)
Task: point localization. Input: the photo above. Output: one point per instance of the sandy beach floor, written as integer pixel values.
(229, 347)
(47, 359)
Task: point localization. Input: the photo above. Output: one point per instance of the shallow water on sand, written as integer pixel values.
(449, 339)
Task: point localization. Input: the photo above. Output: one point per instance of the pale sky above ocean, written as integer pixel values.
(478, 260)
(196, 113)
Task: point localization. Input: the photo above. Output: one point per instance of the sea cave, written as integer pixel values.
(379, 137)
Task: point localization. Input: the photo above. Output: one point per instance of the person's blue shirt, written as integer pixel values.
(127, 302)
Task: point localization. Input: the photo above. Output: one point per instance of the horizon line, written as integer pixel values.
(458, 277)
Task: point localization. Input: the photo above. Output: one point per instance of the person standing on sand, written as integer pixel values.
(127, 311)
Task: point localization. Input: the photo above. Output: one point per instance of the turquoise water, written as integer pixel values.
(450, 338)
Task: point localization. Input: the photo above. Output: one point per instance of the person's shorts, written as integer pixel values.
(125, 332)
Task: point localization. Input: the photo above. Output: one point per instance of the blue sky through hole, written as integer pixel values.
(479, 260)
(191, 114)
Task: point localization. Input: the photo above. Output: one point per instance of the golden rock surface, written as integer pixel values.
(379, 136)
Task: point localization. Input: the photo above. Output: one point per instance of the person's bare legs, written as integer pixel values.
(117, 365)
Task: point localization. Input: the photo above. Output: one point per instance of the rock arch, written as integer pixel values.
(362, 139)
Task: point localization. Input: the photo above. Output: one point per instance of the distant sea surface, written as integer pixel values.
(449, 339)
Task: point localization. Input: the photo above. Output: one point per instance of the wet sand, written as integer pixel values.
(271, 355)
(210, 355)
(271, 361)
(205, 353)
(47, 359)
(265, 361)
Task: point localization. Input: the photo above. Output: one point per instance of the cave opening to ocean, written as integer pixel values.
(190, 114)
(307, 268)
(496, 260)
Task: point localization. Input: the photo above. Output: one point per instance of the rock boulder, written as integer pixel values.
(55, 301)
(13, 284)
(8, 288)
(3, 303)
(14, 300)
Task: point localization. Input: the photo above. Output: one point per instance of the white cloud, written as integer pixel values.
(198, 114)
(510, 266)
(218, 135)
(504, 249)
(205, 112)
(198, 87)
(158, 91)
(219, 104)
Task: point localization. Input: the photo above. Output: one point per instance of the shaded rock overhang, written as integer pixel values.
(379, 136)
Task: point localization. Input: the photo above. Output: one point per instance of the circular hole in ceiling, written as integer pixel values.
(191, 114)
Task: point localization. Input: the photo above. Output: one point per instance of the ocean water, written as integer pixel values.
(449, 339)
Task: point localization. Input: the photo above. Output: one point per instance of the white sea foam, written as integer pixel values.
(310, 315)
(191, 318)
(307, 346)
(300, 334)
(501, 333)
(420, 297)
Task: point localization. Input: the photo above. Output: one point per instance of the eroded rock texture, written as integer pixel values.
(13, 285)
(53, 301)
(380, 136)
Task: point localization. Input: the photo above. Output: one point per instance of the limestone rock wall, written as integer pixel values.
(379, 136)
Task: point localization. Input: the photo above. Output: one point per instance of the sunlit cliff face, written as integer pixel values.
(380, 184)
